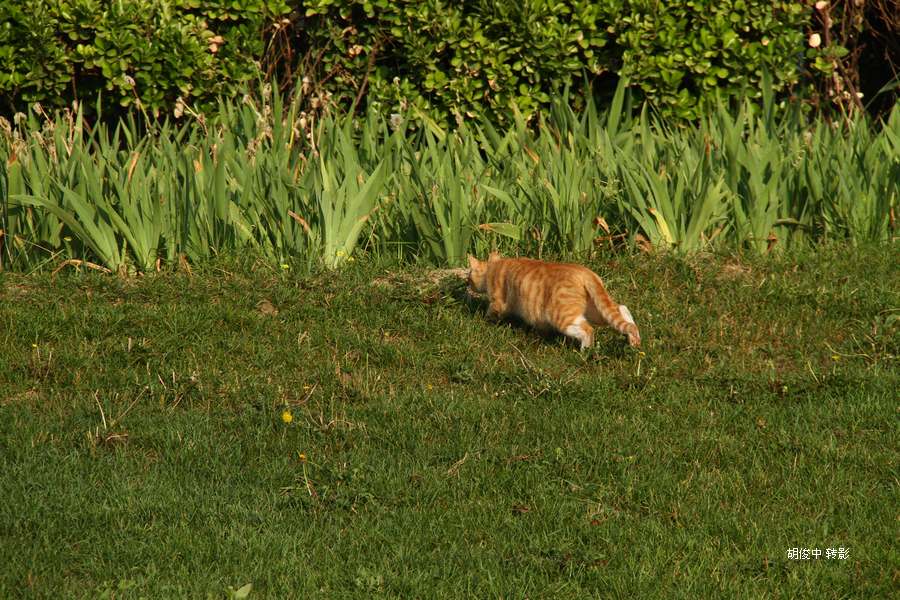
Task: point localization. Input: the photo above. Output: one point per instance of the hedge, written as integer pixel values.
(449, 59)
(56, 51)
(467, 58)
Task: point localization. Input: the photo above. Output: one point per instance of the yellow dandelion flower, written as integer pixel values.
(287, 417)
(285, 266)
(641, 353)
(835, 357)
(301, 456)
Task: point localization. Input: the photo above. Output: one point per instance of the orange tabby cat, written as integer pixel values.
(566, 297)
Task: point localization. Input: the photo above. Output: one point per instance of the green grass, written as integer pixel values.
(447, 456)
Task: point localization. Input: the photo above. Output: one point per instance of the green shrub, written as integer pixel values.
(457, 58)
(471, 58)
(451, 60)
(55, 51)
(684, 54)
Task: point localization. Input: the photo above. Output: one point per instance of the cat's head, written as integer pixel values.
(477, 276)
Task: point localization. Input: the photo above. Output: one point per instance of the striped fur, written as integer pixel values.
(564, 297)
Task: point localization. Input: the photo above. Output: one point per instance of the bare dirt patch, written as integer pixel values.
(432, 277)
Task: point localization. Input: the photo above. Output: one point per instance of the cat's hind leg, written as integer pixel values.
(581, 330)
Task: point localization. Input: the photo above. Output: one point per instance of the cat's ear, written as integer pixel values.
(494, 256)
(473, 262)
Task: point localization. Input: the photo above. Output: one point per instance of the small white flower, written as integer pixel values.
(815, 40)
(215, 42)
(821, 4)
(179, 107)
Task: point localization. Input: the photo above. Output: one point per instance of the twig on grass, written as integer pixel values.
(454, 469)
(74, 262)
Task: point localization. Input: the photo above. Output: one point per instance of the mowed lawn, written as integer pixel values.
(144, 448)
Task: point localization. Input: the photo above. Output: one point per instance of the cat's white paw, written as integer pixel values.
(576, 331)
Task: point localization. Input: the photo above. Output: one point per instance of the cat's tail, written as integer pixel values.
(616, 315)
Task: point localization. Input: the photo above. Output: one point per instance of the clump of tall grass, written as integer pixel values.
(268, 179)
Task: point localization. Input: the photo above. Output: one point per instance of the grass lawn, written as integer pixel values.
(432, 453)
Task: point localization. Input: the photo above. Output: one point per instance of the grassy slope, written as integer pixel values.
(450, 456)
